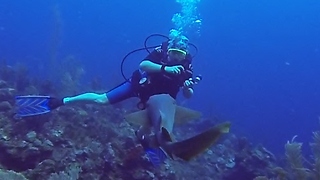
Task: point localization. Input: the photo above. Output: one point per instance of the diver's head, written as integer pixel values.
(175, 54)
(178, 46)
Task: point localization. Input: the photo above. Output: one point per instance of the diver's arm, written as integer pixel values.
(187, 92)
(150, 67)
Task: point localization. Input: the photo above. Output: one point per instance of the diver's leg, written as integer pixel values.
(119, 93)
(87, 97)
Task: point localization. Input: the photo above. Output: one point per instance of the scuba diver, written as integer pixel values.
(165, 70)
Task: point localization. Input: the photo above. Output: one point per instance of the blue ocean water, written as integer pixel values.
(260, 60)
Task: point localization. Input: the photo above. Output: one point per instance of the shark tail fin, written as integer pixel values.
(189, 148)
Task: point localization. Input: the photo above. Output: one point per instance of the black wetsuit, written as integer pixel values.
(165, 83)
(158, 83)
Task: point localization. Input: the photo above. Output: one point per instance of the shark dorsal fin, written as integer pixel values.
(184, 115)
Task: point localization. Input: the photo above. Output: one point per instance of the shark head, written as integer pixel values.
(161, 112)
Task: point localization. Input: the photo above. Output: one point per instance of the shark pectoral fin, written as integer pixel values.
(138, 118)
(184, 115)
(193, 146)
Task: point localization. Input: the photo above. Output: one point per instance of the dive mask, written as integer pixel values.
(177, 54)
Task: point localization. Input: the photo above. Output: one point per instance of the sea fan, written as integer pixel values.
(294, 158)
(280, 173)
(315, 146)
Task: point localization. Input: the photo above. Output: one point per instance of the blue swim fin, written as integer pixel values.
(156, 156)
(34, 105)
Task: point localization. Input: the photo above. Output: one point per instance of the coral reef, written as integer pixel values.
(8, 174)
(297, 169)
(89, 141)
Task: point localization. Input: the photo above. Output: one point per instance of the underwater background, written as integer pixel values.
(260, 60)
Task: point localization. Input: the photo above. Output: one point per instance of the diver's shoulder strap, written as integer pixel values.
(164, 48)
(164, 45)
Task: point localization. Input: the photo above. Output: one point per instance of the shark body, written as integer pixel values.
(157, 122)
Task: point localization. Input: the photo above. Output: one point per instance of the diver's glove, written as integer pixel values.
(55, 103)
